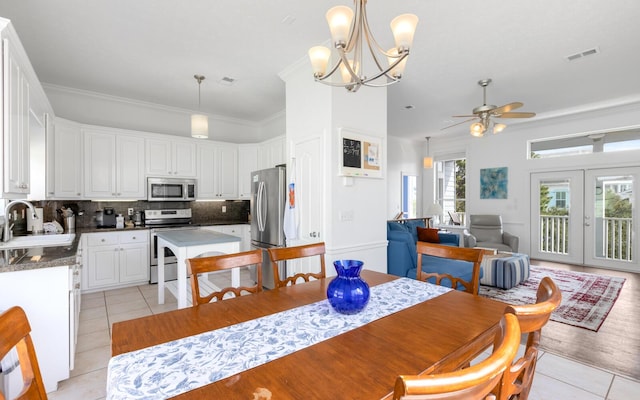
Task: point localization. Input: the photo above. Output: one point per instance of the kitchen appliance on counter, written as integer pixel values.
(268, 197)
(171, 189)
(159, 221)
(106, 218)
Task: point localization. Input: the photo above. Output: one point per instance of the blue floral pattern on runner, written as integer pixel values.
(175, 367)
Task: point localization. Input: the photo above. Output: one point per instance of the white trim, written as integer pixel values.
(358, 247)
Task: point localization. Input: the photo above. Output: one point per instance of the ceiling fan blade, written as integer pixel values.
(459, 123)
(516, 115)
(506, 108)
(464, 116)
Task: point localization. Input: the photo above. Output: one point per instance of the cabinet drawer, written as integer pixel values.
(140, 236)
(102, 239)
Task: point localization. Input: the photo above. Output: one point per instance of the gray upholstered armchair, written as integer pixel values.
(486, 231)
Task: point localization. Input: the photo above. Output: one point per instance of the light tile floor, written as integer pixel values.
(556, 377)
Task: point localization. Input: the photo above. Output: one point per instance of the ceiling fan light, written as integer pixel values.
(319, 56)
(403, 28)
(339, 19)
(497, 128)
(477, 129)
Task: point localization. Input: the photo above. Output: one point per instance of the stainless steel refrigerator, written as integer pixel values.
(268, 196)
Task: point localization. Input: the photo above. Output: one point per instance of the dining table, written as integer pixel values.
(408, 327)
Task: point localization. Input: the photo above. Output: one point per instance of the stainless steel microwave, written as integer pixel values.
(171, 189)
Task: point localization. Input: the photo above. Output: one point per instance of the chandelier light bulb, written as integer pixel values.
(319, 56)
(339, 19)
(398, 70)
(403, 28)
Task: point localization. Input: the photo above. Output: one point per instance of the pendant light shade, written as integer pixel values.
(199, 122)
(427, 162)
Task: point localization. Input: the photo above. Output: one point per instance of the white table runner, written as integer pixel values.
(175, 367)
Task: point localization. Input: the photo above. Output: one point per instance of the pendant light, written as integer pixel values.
(427, 162)
(199, 122)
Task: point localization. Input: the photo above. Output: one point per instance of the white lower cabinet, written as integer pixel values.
(240, 231)
(116, 259)
(44, 295)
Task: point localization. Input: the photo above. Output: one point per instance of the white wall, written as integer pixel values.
(116, 112)
(317, 109)
(404, 156)
(509, 149)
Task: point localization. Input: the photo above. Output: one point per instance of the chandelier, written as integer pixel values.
(349, 34)
(199, 122)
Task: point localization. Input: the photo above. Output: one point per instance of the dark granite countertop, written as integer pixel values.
(54, 256)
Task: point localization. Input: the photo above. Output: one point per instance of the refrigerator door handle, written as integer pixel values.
(260, 207)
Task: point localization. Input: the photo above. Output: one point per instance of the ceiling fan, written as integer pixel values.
(486, 112)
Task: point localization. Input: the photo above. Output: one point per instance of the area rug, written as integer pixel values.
(586, 298)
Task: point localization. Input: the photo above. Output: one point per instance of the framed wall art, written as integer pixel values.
(360, 155)
(494, 183)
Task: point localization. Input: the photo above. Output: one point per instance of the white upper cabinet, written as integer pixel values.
(15, 122)
(247, 163)
(217, 171)
(114, 166)
(272, 152)
(171, 158)
(66, 161)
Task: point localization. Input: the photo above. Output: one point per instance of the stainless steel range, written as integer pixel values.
(163, 220)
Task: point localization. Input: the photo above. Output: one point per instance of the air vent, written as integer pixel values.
(226, 81)
(582, 54)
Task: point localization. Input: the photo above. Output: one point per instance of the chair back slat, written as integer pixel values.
(457, 253)
(277, 254)
(474, 382)
(15, 332)
(201, 265)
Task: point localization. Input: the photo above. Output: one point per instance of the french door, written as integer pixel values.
(586, 217)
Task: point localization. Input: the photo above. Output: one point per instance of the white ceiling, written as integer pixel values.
(149, 50)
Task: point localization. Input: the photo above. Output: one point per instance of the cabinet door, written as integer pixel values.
(16, 124)
(247, 163)
(158, 157)
(100, 169)
(130, 167)
(207, 188)
(134, 263)
(184, 159)
(227, 175)
(102, 266)
(67, 144)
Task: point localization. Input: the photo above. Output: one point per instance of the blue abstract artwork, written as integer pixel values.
(494, 183)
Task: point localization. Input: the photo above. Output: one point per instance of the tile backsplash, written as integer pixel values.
(236, 211)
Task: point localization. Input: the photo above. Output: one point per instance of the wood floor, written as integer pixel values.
(616, 346)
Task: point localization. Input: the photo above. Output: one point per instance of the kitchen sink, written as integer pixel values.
(20, 242)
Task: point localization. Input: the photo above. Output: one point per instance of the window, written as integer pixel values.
(409, 196)
(451, 187)
(586, 143)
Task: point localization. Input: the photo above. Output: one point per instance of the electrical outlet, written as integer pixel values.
(224, 209)
(129, 211)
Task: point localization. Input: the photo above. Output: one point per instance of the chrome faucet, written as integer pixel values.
(6, 236)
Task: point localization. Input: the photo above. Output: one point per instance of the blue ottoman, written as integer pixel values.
(504, 270)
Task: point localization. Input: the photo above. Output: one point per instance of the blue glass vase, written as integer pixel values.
(348, 293)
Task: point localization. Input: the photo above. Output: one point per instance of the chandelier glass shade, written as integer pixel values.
(199, 122)
(351, 37)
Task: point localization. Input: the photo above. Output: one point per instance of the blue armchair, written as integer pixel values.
(402, 253)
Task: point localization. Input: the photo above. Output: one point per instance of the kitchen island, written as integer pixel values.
(189, 244)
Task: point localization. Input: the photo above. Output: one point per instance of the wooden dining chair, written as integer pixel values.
(277, 254)
(474, 382)
(457, 253)
(15, 332)
(201, 265)
(517, 380)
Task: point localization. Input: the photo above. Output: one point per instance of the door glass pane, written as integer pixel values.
(613, 213)
(554, 216)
